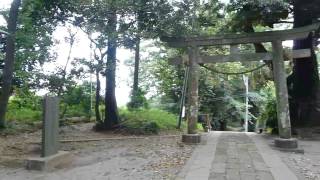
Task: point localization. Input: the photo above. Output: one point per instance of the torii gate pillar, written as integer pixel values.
(193, 86)
(285, 140)
(192, 92)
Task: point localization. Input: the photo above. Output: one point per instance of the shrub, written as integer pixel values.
(147, 121)
(138, 100)
(268, 118)
(23, 115)
(25, 108)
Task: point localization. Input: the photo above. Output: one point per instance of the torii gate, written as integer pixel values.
(275, 37)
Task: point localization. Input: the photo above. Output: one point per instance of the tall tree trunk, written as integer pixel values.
(97, 103)
(135, 102)
(9, 61)
(112, 116)
(305, 76)
(136, 66)
(135, 89)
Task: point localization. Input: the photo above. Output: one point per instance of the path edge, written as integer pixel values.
(188, 170)
(278, 168)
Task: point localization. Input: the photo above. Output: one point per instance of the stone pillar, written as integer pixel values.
(50, 130)
(281, 91)
(50, 158)
(193, 90)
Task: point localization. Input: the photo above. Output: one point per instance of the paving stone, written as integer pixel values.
(220, 152)
(247, 168)
(233, 174)
(218, 167)
(256, 157)
(221, 158)
(233, 166)
(264, 175)
(233, 156)
(247, 176)
(217, 176)
(233, 160)
(243, 158)
(260, 166)
(237, 158)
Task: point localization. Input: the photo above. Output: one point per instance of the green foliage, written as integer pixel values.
(200, 127)
(257, 12)
(33, 42)
(23, 115)
(223, 96)
(268, 117)
(76, 101)
(147, 121)
(138, 100)
(162, 79)
(24, 107)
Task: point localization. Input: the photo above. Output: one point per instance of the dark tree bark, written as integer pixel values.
(136, 67)
(135, 89)
(97, 103)
(305, 76)
(9, 61)
(112, 116)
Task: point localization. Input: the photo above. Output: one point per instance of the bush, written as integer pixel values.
(268, 118)
(138, 100)
(24, 108)
(147, 121)
(23, 115)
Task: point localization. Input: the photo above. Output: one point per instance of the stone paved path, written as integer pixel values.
(235, 156)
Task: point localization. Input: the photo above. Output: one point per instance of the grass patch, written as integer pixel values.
(74, 111)
(149, 121)
(200, 127)
(23, 115)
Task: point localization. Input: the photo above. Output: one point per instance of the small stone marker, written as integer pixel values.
(51, 157)
(50, 130)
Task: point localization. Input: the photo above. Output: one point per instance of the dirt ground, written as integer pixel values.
(122, 156)
(128, 157)
(305, 165)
